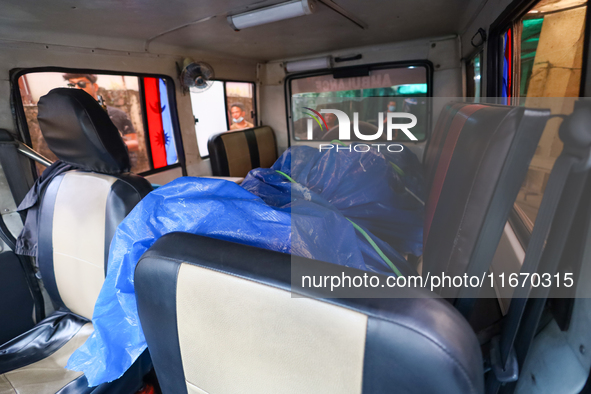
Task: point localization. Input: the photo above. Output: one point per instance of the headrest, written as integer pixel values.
(79, 131)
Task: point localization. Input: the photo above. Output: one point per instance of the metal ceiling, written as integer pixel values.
(137, 22)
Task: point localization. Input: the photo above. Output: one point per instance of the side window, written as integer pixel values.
(393, 89)
(223, 106)
(240, 105)
(138, 106)
(542, 56)
(474, 77)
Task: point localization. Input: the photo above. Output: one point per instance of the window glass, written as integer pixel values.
(224, 106)
(401, 90)
(474, 77)
(162, 144)
(550, 65)
(507, 82)
(209, 111)
(129, 100)
(239, 100)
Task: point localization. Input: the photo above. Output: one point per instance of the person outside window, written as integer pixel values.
(238, 121)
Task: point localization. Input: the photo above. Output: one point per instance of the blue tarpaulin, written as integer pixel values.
(296, 210)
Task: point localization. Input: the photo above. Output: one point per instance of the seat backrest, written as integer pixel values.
(235, 153)
(219, 318)
(80, 209)
(475, 163)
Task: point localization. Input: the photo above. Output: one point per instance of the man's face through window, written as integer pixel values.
(84, 84)
(331, 120)
(237, 114)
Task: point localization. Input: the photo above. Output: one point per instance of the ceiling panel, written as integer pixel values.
(387, 20)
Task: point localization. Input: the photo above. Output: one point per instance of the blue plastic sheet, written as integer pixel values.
(380, 191)
(303, 218)
(216, 208)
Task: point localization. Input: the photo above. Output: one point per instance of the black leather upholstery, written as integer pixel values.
(413, 345)
(51, 334)
(39, 342)
(79, 131)
(126, 192)
(475, 163)
(17, 307)
(153, 306)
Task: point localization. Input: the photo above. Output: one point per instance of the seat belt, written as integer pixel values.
(6, 235)
(27, 266)
(514, 170)
(555, 217)
(17, 170)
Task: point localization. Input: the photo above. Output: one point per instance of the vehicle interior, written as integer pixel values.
(109, 108)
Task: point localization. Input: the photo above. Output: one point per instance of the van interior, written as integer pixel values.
(103, 104)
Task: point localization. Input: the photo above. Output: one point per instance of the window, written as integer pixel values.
(542, 56)
(223, 106)
(398, 89)
(474, 77)
(507, 81)
(139, 106)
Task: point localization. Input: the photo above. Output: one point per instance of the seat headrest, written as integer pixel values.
(79, 131)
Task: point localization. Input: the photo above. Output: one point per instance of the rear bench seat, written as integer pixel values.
(235, 153)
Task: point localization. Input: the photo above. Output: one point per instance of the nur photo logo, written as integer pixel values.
(344, 124)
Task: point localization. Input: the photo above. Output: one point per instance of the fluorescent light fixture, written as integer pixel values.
(274, 13)
(317, 63)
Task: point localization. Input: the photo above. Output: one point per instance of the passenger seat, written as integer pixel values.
(78, 215)
(235, 153)
(475, 163)
(219, 323)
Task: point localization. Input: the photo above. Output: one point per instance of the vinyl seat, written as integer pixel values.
(223, 324)
(79, 211)
(235, 153)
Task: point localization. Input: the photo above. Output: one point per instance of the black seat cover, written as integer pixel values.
(80, 132)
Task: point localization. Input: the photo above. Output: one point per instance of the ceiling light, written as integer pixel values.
(274, 13)
(317, 63)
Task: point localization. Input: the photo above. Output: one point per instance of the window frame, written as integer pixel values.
(254, 106)
(23, 127)
(509, 19)
(352, 70)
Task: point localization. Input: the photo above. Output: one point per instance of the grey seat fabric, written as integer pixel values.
(79, 211)
(223, 321)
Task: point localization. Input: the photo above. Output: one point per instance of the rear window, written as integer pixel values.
(399, 89)
(139, 106)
